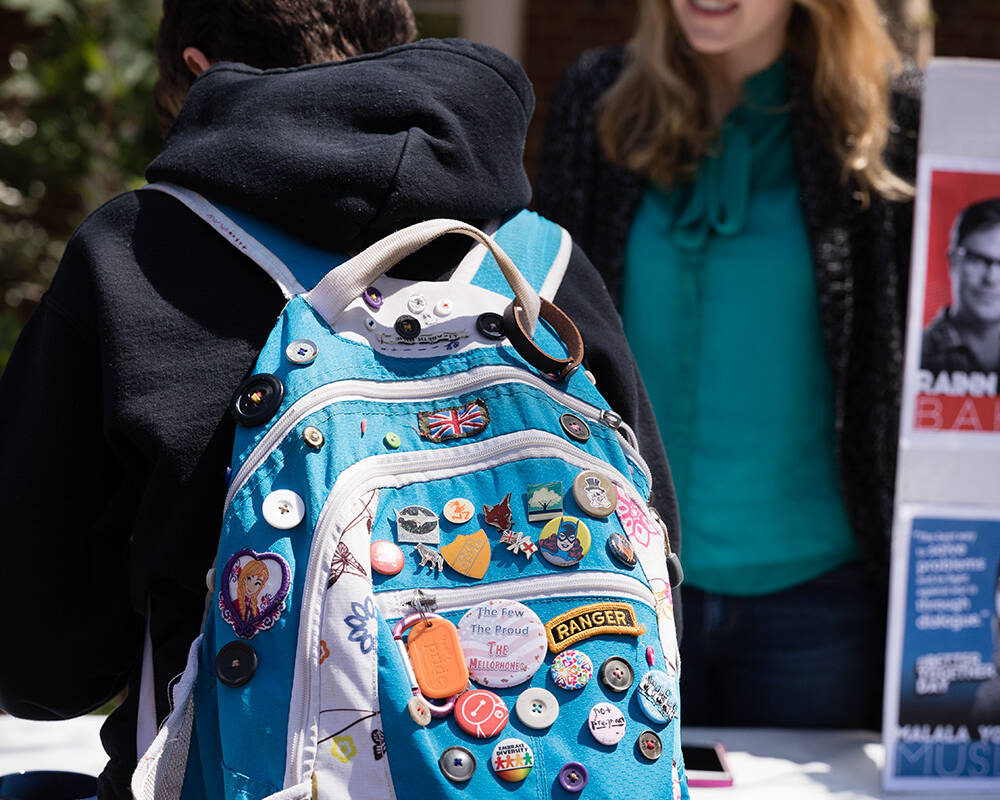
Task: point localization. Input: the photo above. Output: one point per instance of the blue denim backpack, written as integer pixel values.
(438, 576)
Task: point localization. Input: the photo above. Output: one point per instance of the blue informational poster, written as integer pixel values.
(942, 707)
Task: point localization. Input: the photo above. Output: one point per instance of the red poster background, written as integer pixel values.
(950, 193)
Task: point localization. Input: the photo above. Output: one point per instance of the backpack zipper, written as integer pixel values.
(371, 473)
(414, 391)
(399, 603)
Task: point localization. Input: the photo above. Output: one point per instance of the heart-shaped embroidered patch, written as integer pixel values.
(254, 588)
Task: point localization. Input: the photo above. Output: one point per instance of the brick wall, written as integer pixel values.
(967, 28)
(556, 32)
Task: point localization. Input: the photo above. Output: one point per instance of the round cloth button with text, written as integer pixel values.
(503, 641)
(537, 708)
(512, 760)
(481, 713)
(607, 723)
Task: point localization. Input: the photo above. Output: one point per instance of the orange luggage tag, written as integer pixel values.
(437, 658)
(434, 662)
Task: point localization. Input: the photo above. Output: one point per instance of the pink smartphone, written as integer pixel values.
(705, 765)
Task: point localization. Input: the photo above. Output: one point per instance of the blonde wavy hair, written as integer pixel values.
(655, 120)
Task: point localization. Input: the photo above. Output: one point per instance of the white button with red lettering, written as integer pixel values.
(607, 723)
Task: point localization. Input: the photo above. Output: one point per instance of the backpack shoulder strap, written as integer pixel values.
(267, 246)
(540, 248)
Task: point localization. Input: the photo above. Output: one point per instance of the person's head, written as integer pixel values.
(253, 576)
(974, 263)
(657, 119)
(266, 34)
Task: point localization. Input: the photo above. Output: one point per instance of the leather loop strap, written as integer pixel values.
(515, 328)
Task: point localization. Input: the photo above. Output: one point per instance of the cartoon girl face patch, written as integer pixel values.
(564, 541)
(254, 588)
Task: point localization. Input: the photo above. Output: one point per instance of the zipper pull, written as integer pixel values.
(423, 603)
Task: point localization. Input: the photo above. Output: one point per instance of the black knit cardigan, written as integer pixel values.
(861, 260)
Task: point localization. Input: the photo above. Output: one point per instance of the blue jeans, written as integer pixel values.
(807, 657)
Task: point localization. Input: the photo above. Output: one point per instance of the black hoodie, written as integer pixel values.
(114, 427)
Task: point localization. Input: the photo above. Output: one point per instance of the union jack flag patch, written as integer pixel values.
(454, 422)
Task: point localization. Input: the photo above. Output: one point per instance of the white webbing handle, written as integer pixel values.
(349, 280)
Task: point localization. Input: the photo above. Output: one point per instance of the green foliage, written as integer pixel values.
(76, 127)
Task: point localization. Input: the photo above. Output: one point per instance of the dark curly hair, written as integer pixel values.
(270, 33)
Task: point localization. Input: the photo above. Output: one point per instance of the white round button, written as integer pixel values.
(284, 509)
(443, 307)
(416, 303)
(607, 723)
(301, 351)
(537, 708)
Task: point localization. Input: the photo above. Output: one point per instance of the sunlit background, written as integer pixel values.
(77, 123)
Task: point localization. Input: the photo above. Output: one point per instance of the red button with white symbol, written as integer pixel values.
(481, 713)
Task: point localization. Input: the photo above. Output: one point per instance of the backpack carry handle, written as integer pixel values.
(348, 281)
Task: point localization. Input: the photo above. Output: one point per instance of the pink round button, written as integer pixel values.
(607, 723)
(387, 558)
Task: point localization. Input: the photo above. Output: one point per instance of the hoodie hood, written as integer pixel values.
(343, 153)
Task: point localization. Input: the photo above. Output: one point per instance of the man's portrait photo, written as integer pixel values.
(965, 335)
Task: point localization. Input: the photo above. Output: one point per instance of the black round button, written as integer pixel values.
(236, 663)
(408, 327)
(575, 427)
(257, 400)
(490, 325)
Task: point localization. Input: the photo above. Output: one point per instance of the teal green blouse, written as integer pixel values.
(719, 305)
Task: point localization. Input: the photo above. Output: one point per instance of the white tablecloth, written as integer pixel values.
(767, 764)
(774, 764)
(73, 745)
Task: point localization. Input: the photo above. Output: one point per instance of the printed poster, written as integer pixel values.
(942, 706)
(954, 342)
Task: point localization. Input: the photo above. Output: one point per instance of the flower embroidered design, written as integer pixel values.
(363, 624)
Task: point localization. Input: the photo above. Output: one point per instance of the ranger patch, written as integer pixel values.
(584, 622)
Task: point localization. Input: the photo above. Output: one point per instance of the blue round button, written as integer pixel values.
(656, 696)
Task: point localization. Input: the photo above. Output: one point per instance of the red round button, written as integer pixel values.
(481, 713)
(387, 558)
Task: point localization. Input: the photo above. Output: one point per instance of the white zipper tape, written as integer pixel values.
(395, 470)
(410, 392)
(396, 604)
